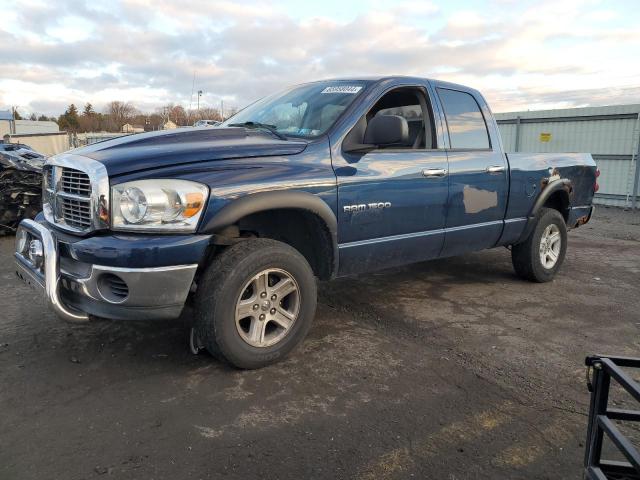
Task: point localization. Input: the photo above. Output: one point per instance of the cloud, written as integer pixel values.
(574, 52)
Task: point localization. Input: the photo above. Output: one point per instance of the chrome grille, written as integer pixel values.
(73, 198)
(76, 193)
(75, 182)
(75, 213)
(67, 198)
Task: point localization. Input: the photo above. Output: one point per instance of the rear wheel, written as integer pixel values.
(255, 303)
(540, 256)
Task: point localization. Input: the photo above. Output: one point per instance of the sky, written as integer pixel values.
(523, 55)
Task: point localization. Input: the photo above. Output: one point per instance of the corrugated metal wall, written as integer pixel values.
(611, 134)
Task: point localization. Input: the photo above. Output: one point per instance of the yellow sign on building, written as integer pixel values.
(545, 137)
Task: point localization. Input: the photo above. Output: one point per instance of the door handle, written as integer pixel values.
(495, 169)
(434, 172)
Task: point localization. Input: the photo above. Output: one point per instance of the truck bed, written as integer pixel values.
(530, 173)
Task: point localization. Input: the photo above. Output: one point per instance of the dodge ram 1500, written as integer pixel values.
(324, 179)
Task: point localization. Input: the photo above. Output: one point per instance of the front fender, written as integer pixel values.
(252, 203)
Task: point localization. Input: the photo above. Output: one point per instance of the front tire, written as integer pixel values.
(541, 255)
(255, 303)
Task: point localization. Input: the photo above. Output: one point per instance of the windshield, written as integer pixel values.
(304, 111)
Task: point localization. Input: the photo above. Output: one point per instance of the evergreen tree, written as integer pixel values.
(69, 119)
(72, 114)
(62, 123)
(88, 110)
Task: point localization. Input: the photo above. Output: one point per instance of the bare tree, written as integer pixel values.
(176, 113)
(119, 113)
(207, 113)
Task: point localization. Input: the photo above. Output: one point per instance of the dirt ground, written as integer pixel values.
(451, 369)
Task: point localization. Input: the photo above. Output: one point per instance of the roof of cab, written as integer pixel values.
(381, 78)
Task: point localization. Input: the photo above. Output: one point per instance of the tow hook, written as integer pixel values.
(195, 344)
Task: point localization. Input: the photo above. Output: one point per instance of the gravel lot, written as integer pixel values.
(452, 369)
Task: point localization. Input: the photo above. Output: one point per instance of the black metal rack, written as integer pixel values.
(602, 417)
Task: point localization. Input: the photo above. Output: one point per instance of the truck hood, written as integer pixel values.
(150, 150)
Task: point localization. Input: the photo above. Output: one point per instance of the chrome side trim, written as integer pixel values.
(427, 233)
(473, 225)
(98, 200)
(170, 268)
(51, 273)
(359, 243)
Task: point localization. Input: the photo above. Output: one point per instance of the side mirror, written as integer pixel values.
(386, 130)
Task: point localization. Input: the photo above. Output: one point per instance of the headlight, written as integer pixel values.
(170, 205)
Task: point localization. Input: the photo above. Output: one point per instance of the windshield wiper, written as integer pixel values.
(260, 126)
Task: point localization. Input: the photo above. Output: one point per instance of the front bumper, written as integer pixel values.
(75, 290)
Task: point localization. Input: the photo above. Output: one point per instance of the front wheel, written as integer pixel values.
(255, 303)
(540, 256)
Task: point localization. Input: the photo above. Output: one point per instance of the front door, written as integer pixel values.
(392, 201)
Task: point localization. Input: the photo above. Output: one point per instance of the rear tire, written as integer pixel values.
(255, 303)
(540, 256)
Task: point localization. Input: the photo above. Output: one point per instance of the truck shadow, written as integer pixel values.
(420, 298)
(428, 279)
(141, 347)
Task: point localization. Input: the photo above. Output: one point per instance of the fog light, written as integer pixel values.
(36, 253)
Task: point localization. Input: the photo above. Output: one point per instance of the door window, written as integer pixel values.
(467, 128)
(409, 103)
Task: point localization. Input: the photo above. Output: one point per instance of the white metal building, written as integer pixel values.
(9, 126)
(6, 123)
(27, 127)
(611, 134)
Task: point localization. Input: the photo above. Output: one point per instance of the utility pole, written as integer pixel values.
(222, 109)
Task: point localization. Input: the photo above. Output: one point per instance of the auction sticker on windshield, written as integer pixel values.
(342, 89)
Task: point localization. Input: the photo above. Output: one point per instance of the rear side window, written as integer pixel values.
(467, 128)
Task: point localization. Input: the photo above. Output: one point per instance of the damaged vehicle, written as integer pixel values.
(322, 180)
(20, 185)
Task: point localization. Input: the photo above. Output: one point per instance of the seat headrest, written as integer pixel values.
(387, 130)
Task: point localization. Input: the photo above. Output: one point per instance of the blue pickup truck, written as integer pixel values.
(324, 179)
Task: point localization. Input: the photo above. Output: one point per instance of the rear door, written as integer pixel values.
(478, 173)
